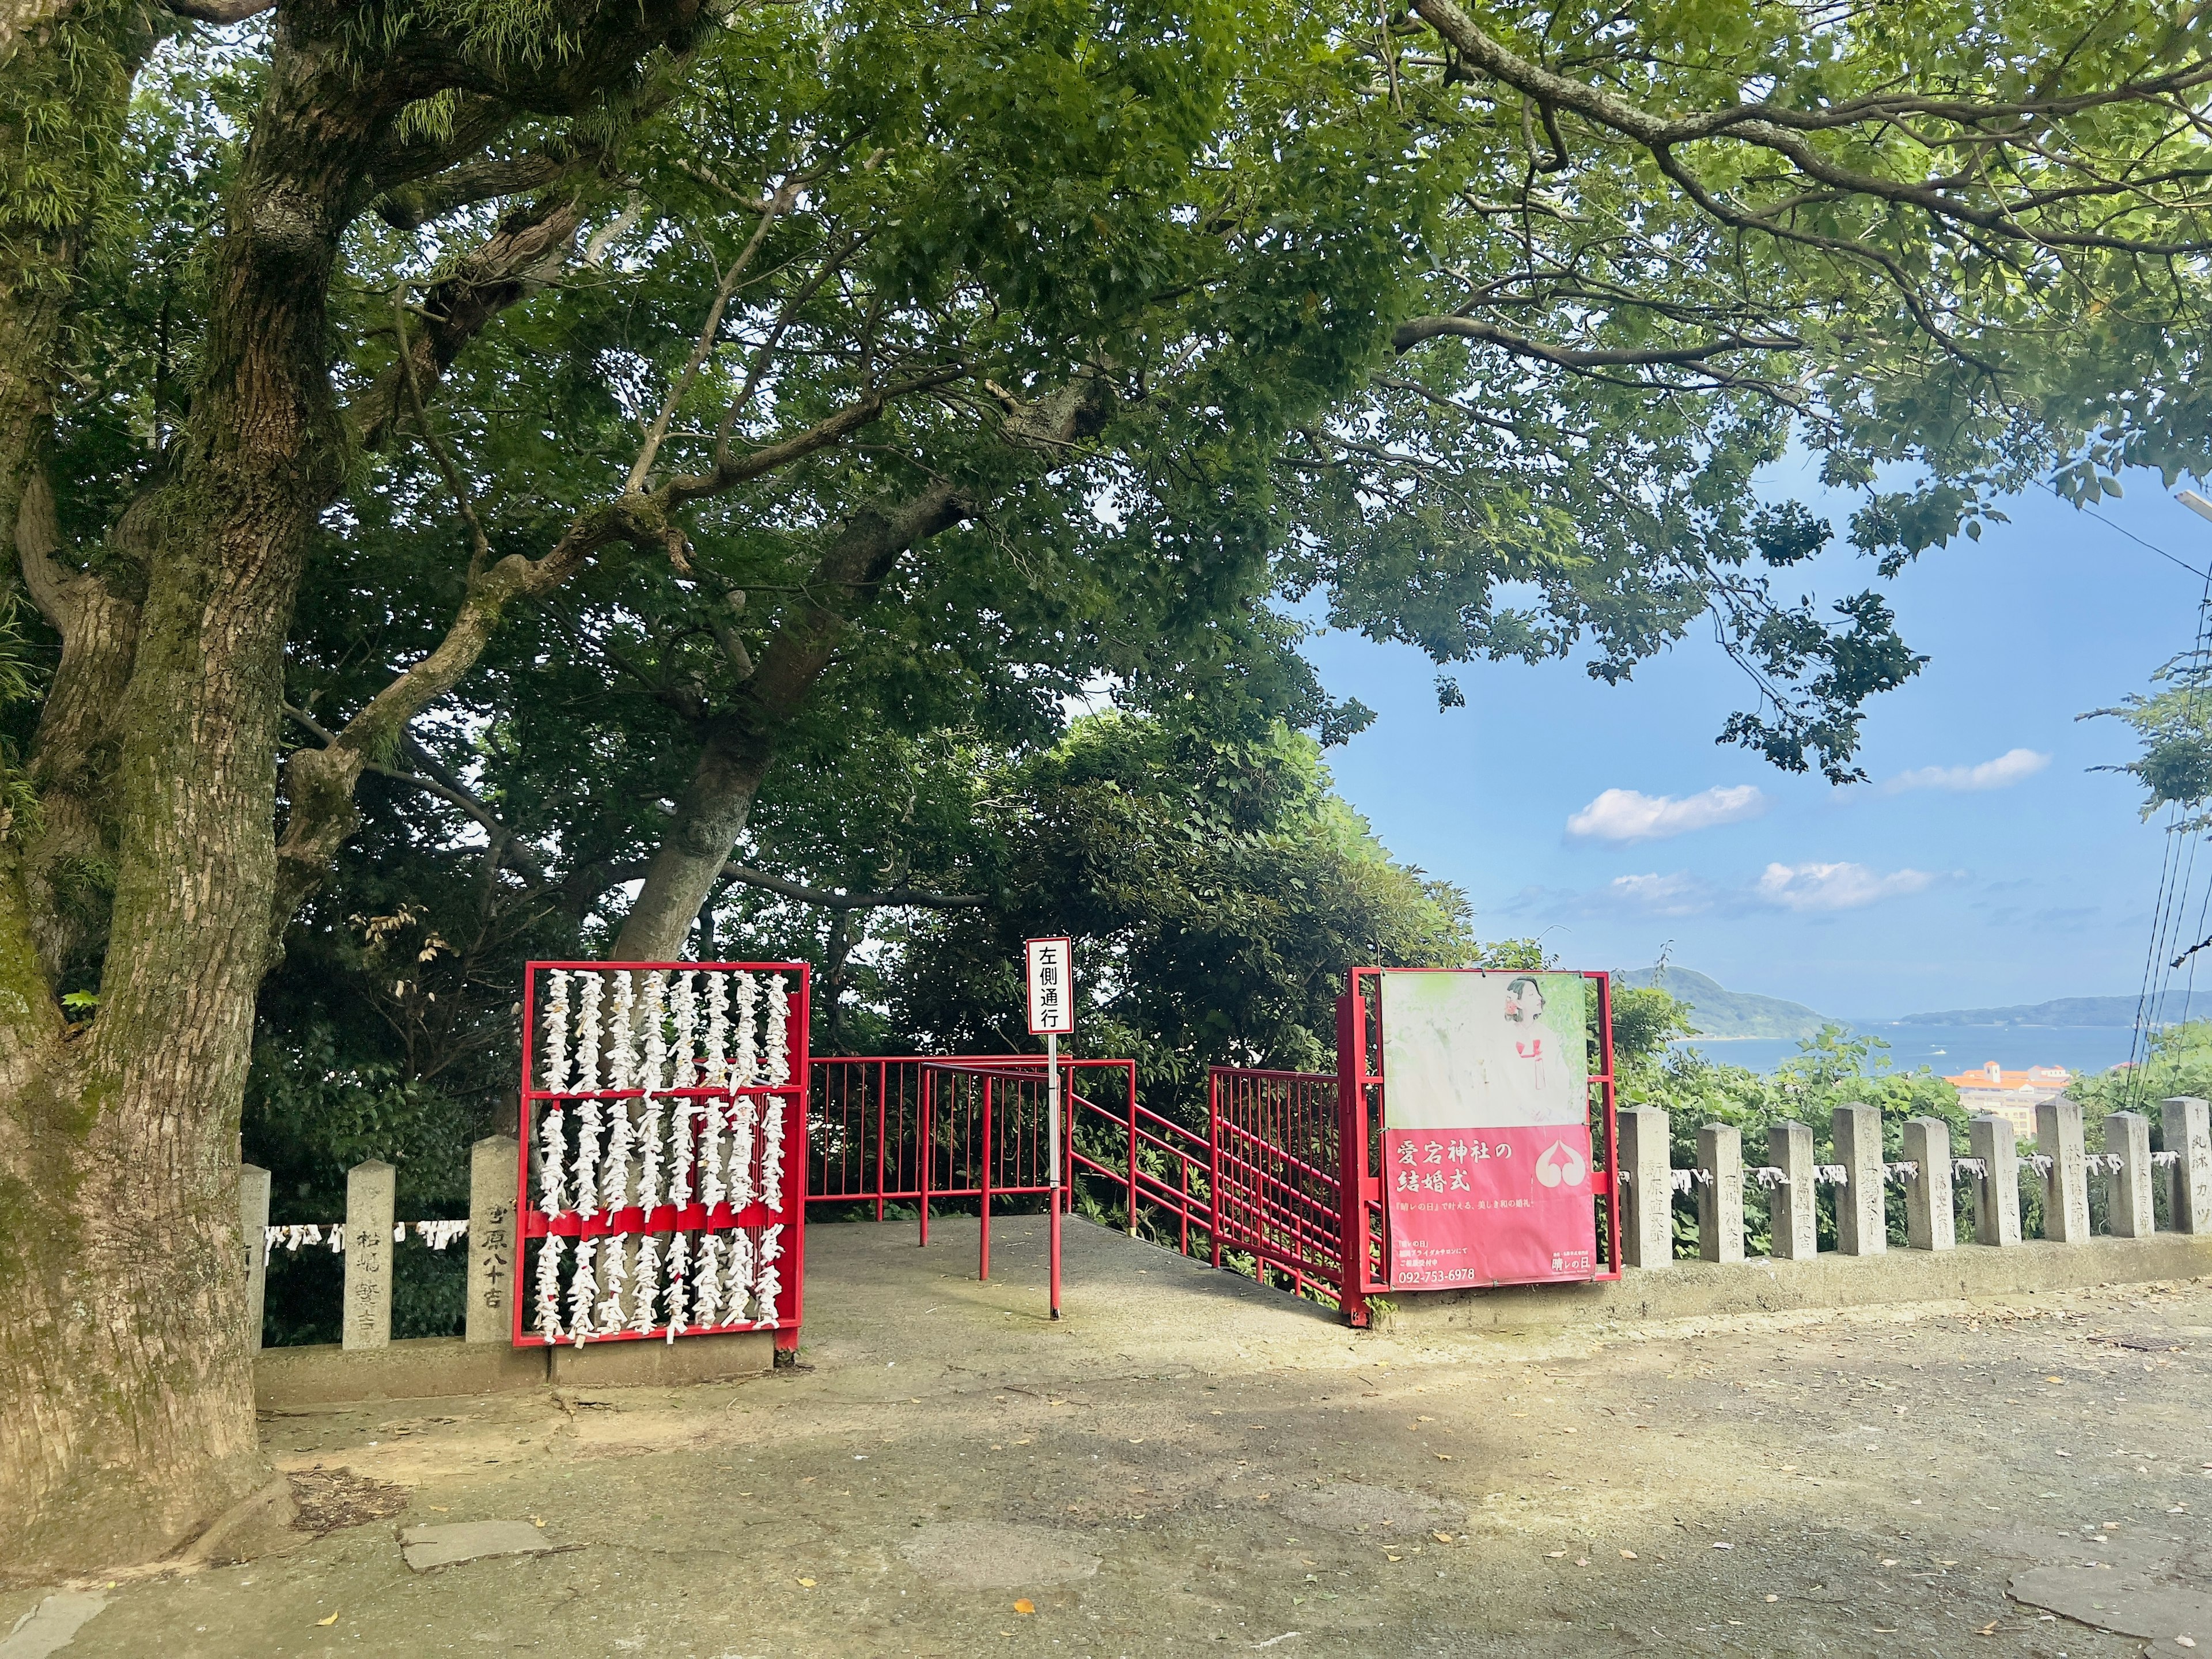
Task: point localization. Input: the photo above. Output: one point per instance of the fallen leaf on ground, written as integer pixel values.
(807, 1583)
(1442, 1537)
(1024, 1606)
(333, 1619)
(1554, 1555)
(1628, 1555)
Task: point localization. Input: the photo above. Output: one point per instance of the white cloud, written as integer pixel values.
(2001, 773)
(1836, 886)
(1626, 815)
(1680, 893)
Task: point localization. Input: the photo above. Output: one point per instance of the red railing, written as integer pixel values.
(1278, 1193)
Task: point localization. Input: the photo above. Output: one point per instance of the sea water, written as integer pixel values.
(1949, 1049)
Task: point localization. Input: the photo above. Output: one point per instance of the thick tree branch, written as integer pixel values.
(897, 897)
(1783, 132)
(1408, 335)
(220, 11)
(409, 207)
(521, 257)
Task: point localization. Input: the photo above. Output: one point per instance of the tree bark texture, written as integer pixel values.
(126, 1399)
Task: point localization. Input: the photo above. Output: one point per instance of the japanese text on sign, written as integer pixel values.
(1051, 987)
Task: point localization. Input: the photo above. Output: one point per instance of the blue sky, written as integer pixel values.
(1936, 886)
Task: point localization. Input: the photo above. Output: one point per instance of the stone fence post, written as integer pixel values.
(253, 1226)
(1997, 1194)
(1928, 1221)
(2188, 1124)
(1647, 1202)
(369, 1196)
(2066, 1192)
(1720, 1200)
(2127, 1137)
(492, 1164)
(1862, 1219)
(1793, 1215)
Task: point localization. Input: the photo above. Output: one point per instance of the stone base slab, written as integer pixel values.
(1690, 1290)
(433, 1367)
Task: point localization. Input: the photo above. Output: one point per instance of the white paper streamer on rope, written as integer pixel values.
(771, 1182)
(2038, 1161)
(645, 1278)
(1830, 1175)
(290, 1236)
(712, 1191)
(2165, 1160)
(549, 1286)
(588, 1034)
(1971, 1166)
(1768, 1176)
(621, 1035)
(737, 1298)
(614, 1193)
(552, 1182)
(683, 1005)
(768, 1282)
(556, 1031)
(583, 1294)
(744, 1055)
(779, 1032)
(1902, 1169)
(743, 1188)
(678, 1264)
(707, 1300)
(655, 1076)
(716, 1073)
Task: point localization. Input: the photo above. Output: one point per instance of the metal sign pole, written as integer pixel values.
(1051, 1111)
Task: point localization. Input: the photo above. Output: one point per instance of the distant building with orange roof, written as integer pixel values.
(2013, 1096)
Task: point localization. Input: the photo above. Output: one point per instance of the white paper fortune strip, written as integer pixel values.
(739, 1292)
(678, 1262)
(654, 1074)
(552, 1181)
(549, 1287)
(779, 1032)
(588, 1034)
(621, 1035)
(557, 1030)
(771, 1186)
(743, 1190)
(715, 1074)
(683, 1005)
(711, 1115)
(590, 1119)
(583, 1291)
(706, 1307)
(743, 1053)
(768, 1283)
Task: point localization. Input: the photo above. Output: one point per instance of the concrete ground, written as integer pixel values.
(1191, 1464)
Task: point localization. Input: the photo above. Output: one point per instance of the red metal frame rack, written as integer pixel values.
(666, 1220)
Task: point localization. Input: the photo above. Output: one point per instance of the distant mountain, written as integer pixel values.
(1724, 1013)
(2063, 1010)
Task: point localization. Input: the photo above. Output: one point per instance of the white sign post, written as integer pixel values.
(1052, 1017)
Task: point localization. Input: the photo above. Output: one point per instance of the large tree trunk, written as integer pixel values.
(130, 1422)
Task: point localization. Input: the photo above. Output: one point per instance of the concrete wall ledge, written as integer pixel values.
(1689, 1290)
(436, 1367)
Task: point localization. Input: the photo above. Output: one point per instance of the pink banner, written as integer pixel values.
(1489, 1206)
